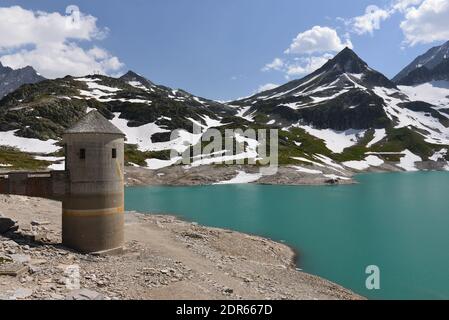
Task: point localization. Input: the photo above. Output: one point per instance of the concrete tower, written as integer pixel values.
(93, 207)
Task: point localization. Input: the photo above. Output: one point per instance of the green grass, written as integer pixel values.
(133, 155)
(401, 139)
(309, 145)
(397, 140)
(20, 160)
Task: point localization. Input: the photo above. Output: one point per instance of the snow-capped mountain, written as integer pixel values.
(343, 116)
(11, 79)
(356, 111)
(33, 117)
(424, 66)
(427, 78)
(337, 96)
(137, 80)
(43, 110)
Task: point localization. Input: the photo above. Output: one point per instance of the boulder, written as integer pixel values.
(332, 181)
(6, 225)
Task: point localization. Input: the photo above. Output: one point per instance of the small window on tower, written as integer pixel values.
(114, 153)
(82, 154)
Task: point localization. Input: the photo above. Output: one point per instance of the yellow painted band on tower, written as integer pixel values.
(93, 213)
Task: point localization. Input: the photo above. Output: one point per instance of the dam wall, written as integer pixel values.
(50, 185)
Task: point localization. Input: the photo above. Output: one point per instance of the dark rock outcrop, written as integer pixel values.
(11, 79)
(7, 225)
(338, 96)
(427, 61)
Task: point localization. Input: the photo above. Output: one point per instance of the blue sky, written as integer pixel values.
(217, 49)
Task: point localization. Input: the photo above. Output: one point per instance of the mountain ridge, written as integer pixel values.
(340, 85)
(427, 61)
(11, 79)
(345, 114)
(423, 74)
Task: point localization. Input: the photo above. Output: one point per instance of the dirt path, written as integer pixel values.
(165, 258)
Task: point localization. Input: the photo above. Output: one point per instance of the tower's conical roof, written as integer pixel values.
(94, 122)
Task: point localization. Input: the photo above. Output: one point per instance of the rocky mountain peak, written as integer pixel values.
(348, 69)
(4, 69)
(347, 61)
(132, 76)
(28, 69)
(11, 79)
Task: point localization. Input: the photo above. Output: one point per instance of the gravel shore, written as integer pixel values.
(164, 258)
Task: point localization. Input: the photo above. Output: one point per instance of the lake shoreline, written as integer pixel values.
(287, 175)
(164, 258)
(235, 174)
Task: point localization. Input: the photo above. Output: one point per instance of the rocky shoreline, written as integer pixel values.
(216, 174)
(291, 175)
(164, 258)
(285, 175)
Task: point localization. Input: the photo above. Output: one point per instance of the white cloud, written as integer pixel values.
(277, 64)
(403, 5)
(306, 65)
(311, 49)
(370, 21)
(426, 23)
(373, 17)
(300, 66)
(51, 43)
(317, 40)
(267, 86)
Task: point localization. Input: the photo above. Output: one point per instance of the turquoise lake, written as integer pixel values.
(396, 221)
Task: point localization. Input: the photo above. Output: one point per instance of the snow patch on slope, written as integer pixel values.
(439, 155)
(328, 161)
(317, 100)
(336, 141)
(60, 166)
(242, 178)
(308, 161)
(370, 161)
(8, 138)
(435, 131)
(242, 113)
(435, 92)
(96, 90)
(156, 164)
(408, 161)
(104, 93)
(139, 135)
(379, 135)
(138, 85)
